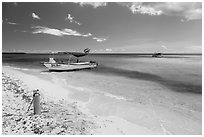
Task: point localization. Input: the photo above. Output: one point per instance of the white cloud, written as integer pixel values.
(39, 29)
(11, 23)
(63, 32)
(35, 16)
(57, 32)
(164, 47)
(109, 50)
(195, 49)
(186, 10)
(94, 4)
(99, 39)
(138, 7)
(71, 19)
(20, 31)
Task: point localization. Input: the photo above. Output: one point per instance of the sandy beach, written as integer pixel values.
(58, 116)
(100, 108)
(17, 95)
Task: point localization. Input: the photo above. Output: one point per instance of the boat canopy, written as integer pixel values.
(77, 54)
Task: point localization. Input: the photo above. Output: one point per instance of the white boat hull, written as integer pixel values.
(69, 67)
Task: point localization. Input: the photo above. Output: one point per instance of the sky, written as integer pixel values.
(117, 27)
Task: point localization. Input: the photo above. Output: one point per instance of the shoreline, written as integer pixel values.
(106, 125)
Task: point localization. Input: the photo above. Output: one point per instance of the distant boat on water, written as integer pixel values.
(157, 55)
(52, 65)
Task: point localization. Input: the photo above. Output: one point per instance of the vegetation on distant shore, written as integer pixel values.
(13, 53)
(57, 118)
(114, 53)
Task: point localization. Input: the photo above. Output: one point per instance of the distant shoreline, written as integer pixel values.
(189, 54)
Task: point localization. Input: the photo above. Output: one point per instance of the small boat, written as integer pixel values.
(157, 55)
(69, 67)
(52, 65)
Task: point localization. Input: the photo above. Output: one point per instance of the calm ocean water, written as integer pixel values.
(33, 61)
(179, 73)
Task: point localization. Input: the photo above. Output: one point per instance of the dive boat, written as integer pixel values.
(52, 65)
